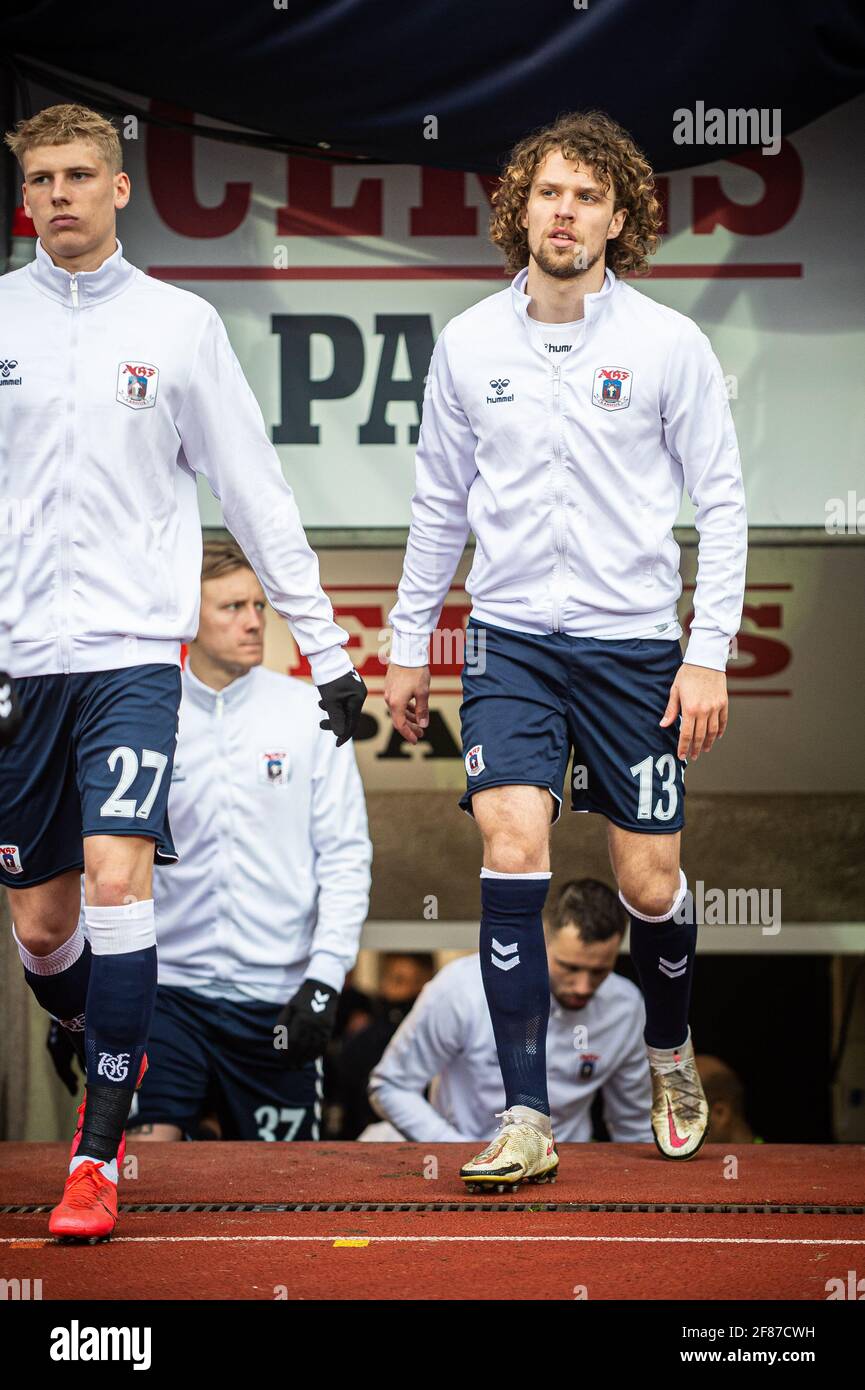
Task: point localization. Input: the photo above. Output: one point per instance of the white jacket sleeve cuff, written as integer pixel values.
(330, 664)
(327, 968)
(409, 648)
(411, 1113)
(710, 649)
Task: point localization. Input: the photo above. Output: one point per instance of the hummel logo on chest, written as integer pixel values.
(500, 385)
(7, 367)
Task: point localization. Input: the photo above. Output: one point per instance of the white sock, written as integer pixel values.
(115, 930)
(524, 1114)
(58, 960)
(109, 1170)
(494, 873)
(667, 1054)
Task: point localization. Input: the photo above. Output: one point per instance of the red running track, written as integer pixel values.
(433, 1254)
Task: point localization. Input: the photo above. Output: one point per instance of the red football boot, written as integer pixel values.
(88, 1210)
(78, 1128)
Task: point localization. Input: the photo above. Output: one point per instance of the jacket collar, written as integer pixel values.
(593, 304)
(94, 286)
(235, 693)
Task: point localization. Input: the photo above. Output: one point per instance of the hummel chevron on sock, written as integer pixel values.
(517, 981)
(663, 951)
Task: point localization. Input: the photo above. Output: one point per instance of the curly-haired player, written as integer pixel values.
(561, 421)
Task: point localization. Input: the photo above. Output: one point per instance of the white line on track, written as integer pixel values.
(467, 1240)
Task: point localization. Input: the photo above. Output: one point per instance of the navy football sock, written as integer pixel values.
(517, 982)
(663, 951)
(119, 1011)
(59, 982)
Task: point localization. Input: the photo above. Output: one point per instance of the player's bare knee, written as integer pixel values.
(118, 870)
(652, 895)
(43, 935)
(109, 887)
(508, 853)
(45, 916)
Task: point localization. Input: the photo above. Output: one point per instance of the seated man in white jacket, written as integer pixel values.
(595, 1040)
(259, 921)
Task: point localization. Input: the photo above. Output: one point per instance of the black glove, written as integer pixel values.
(308, 1020)
(63, 1054)
(342, 701)
(10, 710)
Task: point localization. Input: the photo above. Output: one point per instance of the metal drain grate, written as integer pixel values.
(652, 1208)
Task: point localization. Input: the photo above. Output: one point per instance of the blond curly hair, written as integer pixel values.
(595, 140)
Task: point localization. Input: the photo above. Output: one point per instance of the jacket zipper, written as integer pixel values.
(219, 933)
(66, 486)
(558, 528)
(558, 520)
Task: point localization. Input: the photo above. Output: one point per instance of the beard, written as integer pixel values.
(569, 1006)
(559, 264)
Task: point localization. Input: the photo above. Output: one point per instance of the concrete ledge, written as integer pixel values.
(793, 939)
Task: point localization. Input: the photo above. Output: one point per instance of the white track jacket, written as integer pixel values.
(123, 389)
(10, 593)
(269, 820)
(449, 1036)
(570, 475)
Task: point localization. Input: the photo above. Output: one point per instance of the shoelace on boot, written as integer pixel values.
(83, 1188)
(507, 1117)
(686, 1088)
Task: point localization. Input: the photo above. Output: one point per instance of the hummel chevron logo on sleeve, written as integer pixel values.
(672, 968)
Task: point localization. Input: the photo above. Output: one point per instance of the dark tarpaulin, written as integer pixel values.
(361, 76)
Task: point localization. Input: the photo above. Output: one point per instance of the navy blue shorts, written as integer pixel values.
(218, 1056)
(529, 700)
(93, 757)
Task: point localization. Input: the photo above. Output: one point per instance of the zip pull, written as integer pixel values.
(73, 285)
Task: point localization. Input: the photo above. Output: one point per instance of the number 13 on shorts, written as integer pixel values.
(665, 806)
